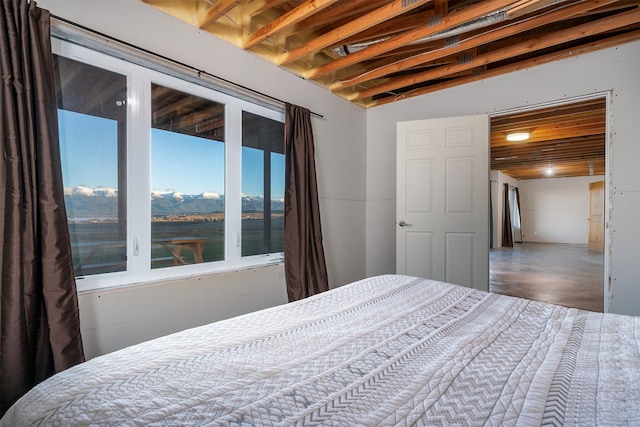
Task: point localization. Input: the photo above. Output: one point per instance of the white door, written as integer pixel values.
(442, 205)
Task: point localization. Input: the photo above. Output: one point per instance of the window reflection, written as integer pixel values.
(187, 179)
(262, 185)
(92, 123)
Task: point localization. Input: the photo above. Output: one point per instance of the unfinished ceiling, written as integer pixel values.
(373, 52)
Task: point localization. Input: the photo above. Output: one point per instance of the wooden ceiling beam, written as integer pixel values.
(402, 52)
(341, 12)
(524, 47)
(174, 107)
(216, 11)
(446, 23)
(545, 161)
(619, 5)
(290, 18)
(395, 8)
(470, 42)
(550, 131)
(560, 123)
(391, 27)
(528, 7)
(560, 120)
(498, 139)
(441, 7)
(517, 66)
(533, 167)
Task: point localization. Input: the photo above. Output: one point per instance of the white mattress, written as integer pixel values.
(389, 350)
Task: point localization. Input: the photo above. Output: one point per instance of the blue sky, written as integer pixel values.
(180, 163)
(94, 162)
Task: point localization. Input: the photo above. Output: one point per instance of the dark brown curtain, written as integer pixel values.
(39, 322)
(507, 233)
(305, 269)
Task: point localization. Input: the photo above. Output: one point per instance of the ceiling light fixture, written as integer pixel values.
(518, 136)
(549, 171)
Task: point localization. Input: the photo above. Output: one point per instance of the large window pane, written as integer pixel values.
(92, 122)
(277, 201)
(187, 179)
(262, 185)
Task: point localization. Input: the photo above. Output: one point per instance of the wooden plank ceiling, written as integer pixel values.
(373, 52)
(564, 141)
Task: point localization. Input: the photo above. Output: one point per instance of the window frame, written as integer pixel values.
(267, 183)
(138, 167)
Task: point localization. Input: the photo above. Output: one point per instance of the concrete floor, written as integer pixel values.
(569, 275)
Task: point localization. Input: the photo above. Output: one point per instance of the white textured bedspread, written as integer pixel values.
(389, 350)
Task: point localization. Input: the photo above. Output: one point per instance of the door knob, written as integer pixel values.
(404, 224)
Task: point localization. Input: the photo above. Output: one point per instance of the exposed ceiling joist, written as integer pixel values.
(373, 52)
(298, 14)
(472, 60)
(391, 10)
(436, 26)
(470, 42)
(517, 66)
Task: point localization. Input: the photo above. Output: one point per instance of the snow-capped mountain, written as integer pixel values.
(88, 202)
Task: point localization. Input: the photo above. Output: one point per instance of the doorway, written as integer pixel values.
(569, 141)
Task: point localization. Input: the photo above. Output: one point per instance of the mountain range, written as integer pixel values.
(103, 202)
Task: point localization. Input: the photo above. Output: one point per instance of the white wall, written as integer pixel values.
(556, 210)
(614, 70)
(126, 316)
(116, 318)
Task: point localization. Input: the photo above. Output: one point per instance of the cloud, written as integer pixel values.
(81, 190)
(215, 196)
(170, 194)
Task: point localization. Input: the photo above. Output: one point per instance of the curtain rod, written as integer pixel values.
(174, 61)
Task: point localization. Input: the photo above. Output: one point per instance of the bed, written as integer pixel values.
(387, 350)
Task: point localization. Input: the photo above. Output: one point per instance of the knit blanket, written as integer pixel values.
(388, 350)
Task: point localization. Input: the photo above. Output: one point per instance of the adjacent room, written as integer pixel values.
(548, 179)
(307, 212)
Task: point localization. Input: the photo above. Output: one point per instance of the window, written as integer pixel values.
(187, 178)
(93, 141)
(164, 178)
(262, 185)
